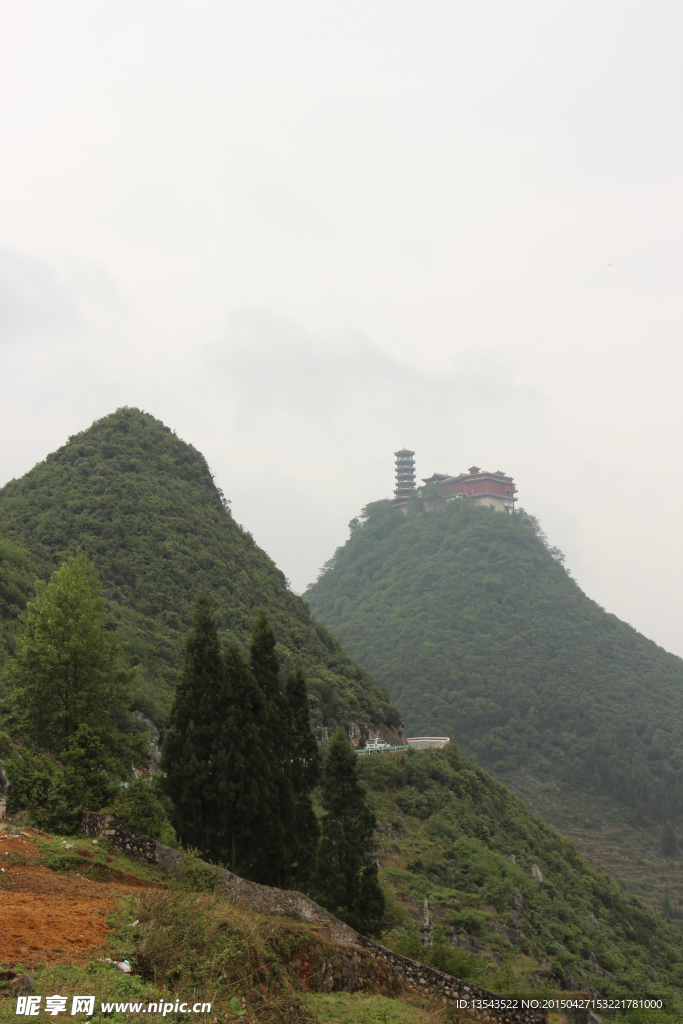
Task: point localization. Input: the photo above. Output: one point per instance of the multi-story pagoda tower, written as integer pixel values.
(405, 474)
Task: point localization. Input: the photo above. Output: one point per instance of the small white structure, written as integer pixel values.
(428, 742)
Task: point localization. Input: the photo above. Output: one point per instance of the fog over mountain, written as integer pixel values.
(305, 236)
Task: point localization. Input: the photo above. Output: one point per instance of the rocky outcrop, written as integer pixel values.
(19, 984)
(511, 934)
(464, 940)
(517, 900)
(4, 791)
(154, 749)
(600, 971)
(569, 982)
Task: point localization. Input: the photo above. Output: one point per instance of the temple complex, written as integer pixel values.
(494, 489)
(497, 490)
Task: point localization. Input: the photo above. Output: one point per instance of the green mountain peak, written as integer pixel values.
(479, 633)
(142, 504)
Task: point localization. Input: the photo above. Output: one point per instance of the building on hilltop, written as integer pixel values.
(405, 475)
(494, 489)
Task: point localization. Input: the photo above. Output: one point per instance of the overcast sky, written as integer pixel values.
(307, 234)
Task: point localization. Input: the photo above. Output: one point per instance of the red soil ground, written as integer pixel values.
(49, 918)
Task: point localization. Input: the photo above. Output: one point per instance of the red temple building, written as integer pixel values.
(494, 489)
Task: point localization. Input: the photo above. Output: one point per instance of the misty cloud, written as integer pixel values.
(33, 302)
(454, 226)
(273, 367)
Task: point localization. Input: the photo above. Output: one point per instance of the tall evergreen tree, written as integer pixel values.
(244, 782)
(277, 852)
(67, 665)
(188, 756)
(304, 769)
(239, 757)
(346, 879)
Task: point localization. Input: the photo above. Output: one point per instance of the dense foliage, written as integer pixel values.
(66, 670)
(239, 757)
(480, 633)
(19, 570)
(143, 506)
(68, 704)
(449, 833)
(346, 876)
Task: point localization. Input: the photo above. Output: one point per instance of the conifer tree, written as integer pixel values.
(304, 769)
(188, 756)
(67, 665)
(277, 852)
(346, 879)
(244, 783)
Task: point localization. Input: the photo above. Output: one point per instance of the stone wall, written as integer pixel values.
(261, 898)
(4, 791)
(126, 839)
(415, 977)
(407, 974)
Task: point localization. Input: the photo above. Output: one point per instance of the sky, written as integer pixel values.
(305, 235)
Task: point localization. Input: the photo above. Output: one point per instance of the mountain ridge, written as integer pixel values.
(143, 506)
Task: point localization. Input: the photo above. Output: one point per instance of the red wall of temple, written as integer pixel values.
(485, 485)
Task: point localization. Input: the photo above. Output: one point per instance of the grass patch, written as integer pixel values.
(361, 1009)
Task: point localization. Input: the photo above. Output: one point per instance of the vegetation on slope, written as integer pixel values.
(19, 569)
(67, 706)
(449, 833)
(60, 903)
(239, 757)
(480, 633)
(143, 506)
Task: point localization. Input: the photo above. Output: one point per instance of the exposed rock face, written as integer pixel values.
(466, 941)
(517, 900)
(354, 734)
(582, 1015)
(537, 874)
(511, 934)
(600, 971)
(4, 791)
(154, 751)
(22, 985)
(569, 981)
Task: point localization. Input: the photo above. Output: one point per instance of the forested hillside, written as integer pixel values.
(143, 506)
(19, 568)
(451, 834)
(479, 633)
